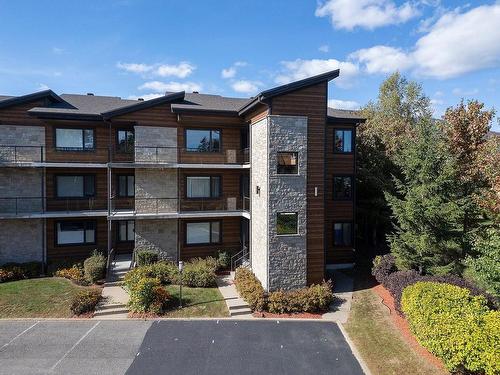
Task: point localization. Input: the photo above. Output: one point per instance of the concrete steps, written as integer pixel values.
(237, 307)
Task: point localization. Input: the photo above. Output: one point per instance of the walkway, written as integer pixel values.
(115, 298)
(343, 285)
(237, 307)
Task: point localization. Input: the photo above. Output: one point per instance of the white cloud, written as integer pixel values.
(368, 14)
(456, 44)
(181, 70)
(145, 96)
(172, 86)
(42, 87)
(382, 59)
(300, 69)
(246, 87)
(324, 48)
(343, 104)
(460, 92)
(232, 70)
(57, 50)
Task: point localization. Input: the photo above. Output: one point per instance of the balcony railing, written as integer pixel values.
(40, 205)
(137, 154)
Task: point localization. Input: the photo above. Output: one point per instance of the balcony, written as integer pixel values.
(21, 154)
(47, 207)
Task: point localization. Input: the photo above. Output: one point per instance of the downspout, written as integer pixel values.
(109, 188)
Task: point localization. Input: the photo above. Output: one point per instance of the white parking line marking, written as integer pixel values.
(74, 346)
(22, 333)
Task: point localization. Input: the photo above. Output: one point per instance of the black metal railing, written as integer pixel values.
(40, 205)
(21, 154)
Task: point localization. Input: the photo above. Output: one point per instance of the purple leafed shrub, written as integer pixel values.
(383, 266)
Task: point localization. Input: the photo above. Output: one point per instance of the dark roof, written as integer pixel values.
(16, 100)
(289, 87)
(209, 103)
(345, 114)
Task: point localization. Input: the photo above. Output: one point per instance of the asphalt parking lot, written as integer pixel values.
(174, 347)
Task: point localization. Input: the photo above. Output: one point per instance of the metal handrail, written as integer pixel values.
(239, 256)
(111, 257)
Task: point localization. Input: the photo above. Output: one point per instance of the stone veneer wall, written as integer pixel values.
(155, 144)
(152, 183)
(158, 235)
(21, 240)
(24, 183)
(259, 202)
(20, 135)
(287, 193)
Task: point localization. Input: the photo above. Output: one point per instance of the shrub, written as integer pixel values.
(29, 269)
(95, 267)
(250, 289)
(147, 295)
(146, 257)
(200, 272)
(397, 281)
(312, 299)
(454, 325)
(11, 274)
(54, 265)
(383, 266)
(74, 273)
(166, 272)
(85, 301)
(223, 259)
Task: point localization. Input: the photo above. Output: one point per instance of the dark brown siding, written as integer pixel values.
(18, 115)
(55, 252)
(311, 102)
(257, 114)
(160, 115)
(338, 211)
(230, 239)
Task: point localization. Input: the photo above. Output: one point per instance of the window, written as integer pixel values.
(343, 141)
(75, 186)
(126, 185)
(125, 140)
(342, 187)
(342, 234)
(203, 233)
(288, 163)
(203, 187)
(75, 233)
(126, 230)
(287, 223)
(202, 140)
(75, 139)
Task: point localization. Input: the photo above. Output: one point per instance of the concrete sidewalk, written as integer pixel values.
(236, 305)
(343, 286)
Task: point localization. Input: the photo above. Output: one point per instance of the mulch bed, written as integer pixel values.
(404, 328)
(269, 315)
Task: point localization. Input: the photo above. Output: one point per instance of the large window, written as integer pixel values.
(75, 233)
(75, 139)
(126, 185)
(75, 186)
(125, 140)
(342, 234)
(342, 187)
(343, 141)
(288, 163)
(287, 223)
(203, 233)
(202, 140)
(203, 187)
(126, 230)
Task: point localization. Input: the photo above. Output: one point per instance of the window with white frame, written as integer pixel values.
(288, 163)
(287, 223)
(203, 233)
(75, 233)
(68, 139)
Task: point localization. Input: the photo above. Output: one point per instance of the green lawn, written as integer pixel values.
(379, 341)
(196, 302)
(37, 298)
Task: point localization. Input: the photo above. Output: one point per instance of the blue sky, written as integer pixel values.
(133, 48)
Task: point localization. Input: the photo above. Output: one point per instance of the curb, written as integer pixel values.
(354, 350)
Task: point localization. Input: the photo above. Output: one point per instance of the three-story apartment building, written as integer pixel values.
(271, 177)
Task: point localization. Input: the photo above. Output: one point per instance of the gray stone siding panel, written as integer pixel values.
(24, 184)
(287, 193)
(155, 144)
(21, 241)
(19, 135)
(157, 235)
(259, 201)
(156, 190)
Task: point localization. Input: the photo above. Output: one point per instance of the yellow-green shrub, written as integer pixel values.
(453, 325)
(148, 296)
(74, 274)
(250, 289)
(315, 298)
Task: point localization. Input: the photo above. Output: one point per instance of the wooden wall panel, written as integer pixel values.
(18, 115)
(311, 102)
(230, 240)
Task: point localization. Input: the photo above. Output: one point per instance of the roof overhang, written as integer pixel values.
(45, 94)
(41, 112)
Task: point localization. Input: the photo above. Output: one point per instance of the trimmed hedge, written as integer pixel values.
(19, 271)
(312, 299)
(454, 325)
(250, 289)
(74, 274)
(85, 301)
(95, 267)
(200, 272)
(146, 257)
